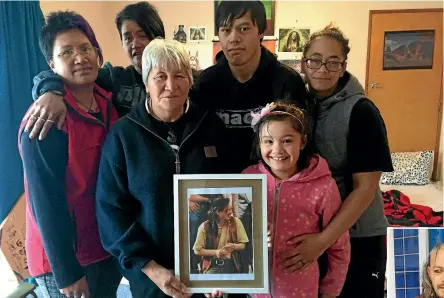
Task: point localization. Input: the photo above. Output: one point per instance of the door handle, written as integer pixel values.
(375, 85)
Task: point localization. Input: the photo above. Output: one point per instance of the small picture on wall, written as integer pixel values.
(197, 34)
(294, 64)
(408, 49)
(292, 40)
(180, 35)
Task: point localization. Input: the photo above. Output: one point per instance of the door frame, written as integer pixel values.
(369, 40)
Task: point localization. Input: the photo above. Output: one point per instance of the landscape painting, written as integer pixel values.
(408, 49)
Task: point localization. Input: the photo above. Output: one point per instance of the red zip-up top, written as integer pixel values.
(60, 181)
(303, 204)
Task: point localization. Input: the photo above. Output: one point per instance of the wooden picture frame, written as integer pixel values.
(247, 196)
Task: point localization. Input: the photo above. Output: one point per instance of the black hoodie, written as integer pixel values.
(216, 88)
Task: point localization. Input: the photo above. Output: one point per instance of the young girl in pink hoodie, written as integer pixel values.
(302, 199)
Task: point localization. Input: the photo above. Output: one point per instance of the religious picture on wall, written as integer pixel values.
(180, 35)
(408, 49)
(197, 34)
(292, 40)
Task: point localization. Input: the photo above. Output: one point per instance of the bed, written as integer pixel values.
(412, 178)
(430, 195)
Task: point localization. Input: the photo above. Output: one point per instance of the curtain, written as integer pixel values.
(435, 235)
(20, 61)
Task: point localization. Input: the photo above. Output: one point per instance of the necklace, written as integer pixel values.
(171, 138)
(90, 105)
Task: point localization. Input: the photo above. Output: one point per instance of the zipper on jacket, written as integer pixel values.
(315, 120)
(275, 210)
(184, 140)
(176, 153)
(174, 148)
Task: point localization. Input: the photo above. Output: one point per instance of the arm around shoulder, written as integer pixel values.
(47, 81)
(49, 108)
(105, 78)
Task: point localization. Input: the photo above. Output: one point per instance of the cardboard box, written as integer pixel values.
(12, 239)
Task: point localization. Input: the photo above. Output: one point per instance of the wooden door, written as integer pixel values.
(409, 99)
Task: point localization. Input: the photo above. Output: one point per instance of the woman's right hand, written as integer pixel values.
(165, 280)
(47, 110)
(222, 253)
(193, 206)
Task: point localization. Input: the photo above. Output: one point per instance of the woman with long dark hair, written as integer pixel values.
(220, 239)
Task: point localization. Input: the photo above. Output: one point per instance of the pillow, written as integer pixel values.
(410, 168)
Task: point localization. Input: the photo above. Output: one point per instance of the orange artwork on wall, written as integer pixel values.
(268, 44)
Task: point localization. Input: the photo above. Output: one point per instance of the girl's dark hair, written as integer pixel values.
(145, 15)
(227, 11)
(332, 32)
(298, 118)
(62, 21)
(217, 205)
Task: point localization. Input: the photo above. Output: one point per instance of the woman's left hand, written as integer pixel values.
(308, 249)
(230, 247)
(215, 294)
(291, 260)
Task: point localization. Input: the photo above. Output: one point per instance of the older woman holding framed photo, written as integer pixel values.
(165, 135)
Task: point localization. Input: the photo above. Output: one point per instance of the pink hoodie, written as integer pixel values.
(301, 205)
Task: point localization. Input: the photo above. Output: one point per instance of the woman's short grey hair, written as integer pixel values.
(165, 54)
(427, 287)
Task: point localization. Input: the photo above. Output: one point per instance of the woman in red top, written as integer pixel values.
(63, 246)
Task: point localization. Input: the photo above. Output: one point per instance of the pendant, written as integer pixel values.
(171, 137)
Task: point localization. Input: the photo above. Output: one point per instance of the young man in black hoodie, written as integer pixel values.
(137, 24)
(246, 76)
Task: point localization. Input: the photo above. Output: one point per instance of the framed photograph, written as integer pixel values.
(292, 40)
(221, 232)
(270, 8)
(295, 64)
(408, 49)
(196, 34)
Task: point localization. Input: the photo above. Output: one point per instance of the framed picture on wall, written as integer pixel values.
(292, 40)
(269, 11)
(294, 64)
(408, 49)
(221, 232)
(197, 34)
